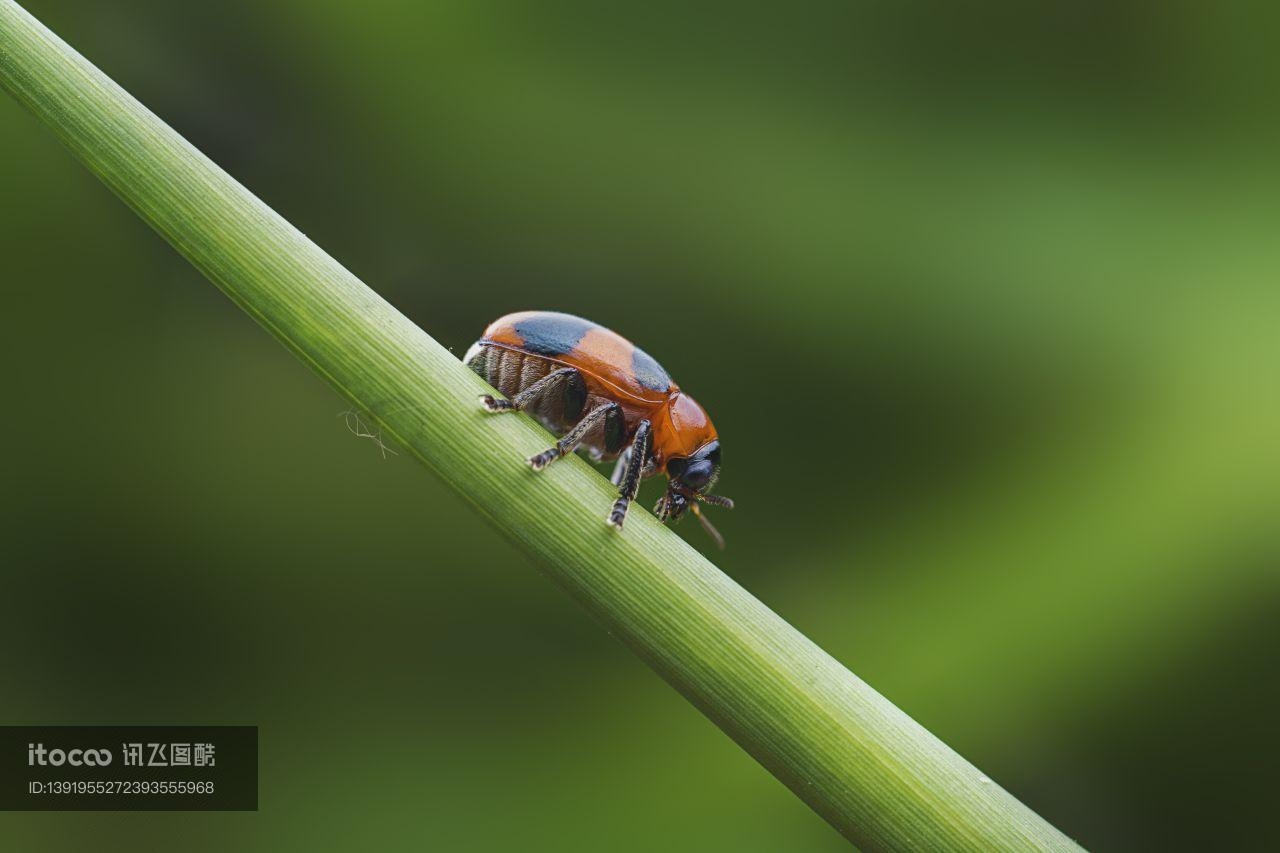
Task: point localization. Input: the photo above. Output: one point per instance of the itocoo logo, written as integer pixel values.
(37, 754)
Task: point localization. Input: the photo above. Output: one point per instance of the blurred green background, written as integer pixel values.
(983, 301)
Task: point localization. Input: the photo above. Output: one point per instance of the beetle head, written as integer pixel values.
(690, 479)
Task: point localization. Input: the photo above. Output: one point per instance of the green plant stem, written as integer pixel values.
(873, 773)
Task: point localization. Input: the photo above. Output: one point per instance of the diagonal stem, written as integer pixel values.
(873, 773)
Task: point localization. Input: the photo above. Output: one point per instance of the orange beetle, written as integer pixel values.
(597, 390)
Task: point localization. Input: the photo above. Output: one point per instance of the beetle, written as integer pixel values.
(596, 390)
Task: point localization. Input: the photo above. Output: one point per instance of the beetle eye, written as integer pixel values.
(698, 474)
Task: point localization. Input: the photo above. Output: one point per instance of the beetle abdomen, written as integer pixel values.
(510, 371)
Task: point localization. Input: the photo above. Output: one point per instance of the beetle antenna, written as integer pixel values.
(708, 526)
(716, 500)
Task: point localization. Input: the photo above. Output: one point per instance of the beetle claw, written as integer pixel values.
(542, 460)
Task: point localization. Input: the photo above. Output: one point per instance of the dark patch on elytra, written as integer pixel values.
(649, 372)
(552, 334)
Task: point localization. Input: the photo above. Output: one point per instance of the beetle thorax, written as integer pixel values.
(683, 427)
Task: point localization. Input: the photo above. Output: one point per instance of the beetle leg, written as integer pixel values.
(537, 390)
(574, 437)
(636, 461)
(620, 468)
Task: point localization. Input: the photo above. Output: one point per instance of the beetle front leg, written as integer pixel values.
(636, 463)
(620, 469)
